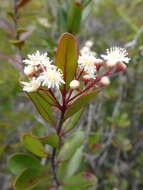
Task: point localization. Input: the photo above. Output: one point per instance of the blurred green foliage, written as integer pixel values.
(114, 147)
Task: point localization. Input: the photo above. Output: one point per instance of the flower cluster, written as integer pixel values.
(87, 59)
(115, 58)
(41, 73)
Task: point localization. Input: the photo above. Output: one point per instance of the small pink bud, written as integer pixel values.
(74, 84)
(121, 67)
(105, 81)
(86, 78)
(29, 70)
(98, 63)
(110, 64)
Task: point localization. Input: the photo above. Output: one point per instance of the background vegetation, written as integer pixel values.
(113, 122)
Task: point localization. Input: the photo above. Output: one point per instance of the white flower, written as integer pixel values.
(52, 77)
(115, 55)
(87, 61)
(38, 59)
(29, 70)
(31, 86)
(74, 84)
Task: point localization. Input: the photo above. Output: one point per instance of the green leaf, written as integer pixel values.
(71, 145)
(62, 169)
(80, 102)
(34, 145)
(75, 162)
(44, 185)
(70, 124)
(66, 57)
(30, 177)
(18, 43)
(43, 103)
(75, 12)
(62, 19)
(86, 2)
(20, 161)
(81, 180)
(51, 139)
(21, 30)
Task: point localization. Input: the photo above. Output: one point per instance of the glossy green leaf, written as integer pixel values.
(66, 58)
(80, 102)
(70, 124)
(44, 185)
(30, 177)
(75, 12)
(34, 145)
(20, 161)
(75, 162)
(81, 180)
(38, 131)
(43, 103)
(51, 139)
(71, 145)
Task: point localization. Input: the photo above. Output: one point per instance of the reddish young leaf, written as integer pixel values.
(66, 57)
(21, 3)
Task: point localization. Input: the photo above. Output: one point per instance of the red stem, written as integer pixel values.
(88, 87)
(70, 93)
(80, 74)
(53, 98)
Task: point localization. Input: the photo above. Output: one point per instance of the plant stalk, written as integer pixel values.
(53, 157)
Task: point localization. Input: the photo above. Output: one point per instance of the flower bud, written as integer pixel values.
(29, 70)
(105, 81)
(98, 63)
(74, 84)
(110, 64)
(121, 67)
(86, 78)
